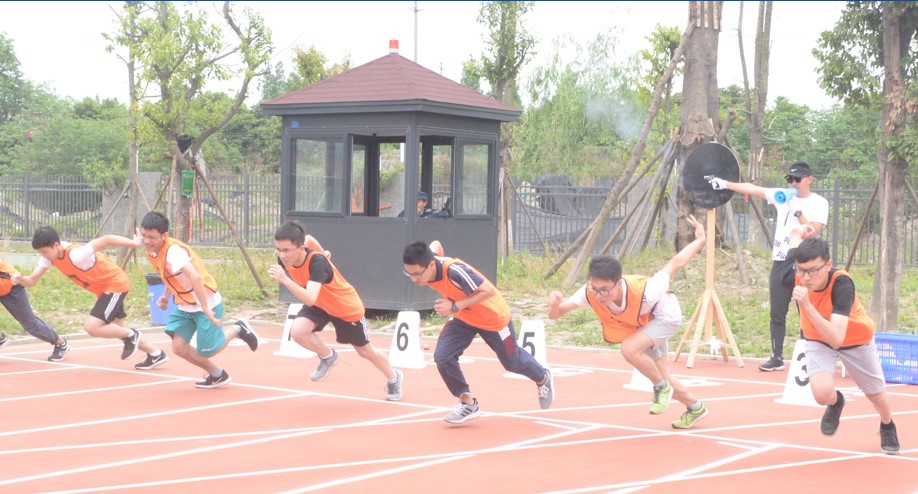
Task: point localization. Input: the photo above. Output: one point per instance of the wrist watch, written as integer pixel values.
(797, 214)
(454, 307)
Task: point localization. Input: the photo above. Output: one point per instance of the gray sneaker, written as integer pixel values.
(3, 340)
(463, 412)
(394, 390)
(325, 365)
(546, 391)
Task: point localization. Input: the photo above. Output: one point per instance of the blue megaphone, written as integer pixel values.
(784, 195)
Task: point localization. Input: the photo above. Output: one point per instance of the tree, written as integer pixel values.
(663, 43)
(584, 113)
(509, 46)
(700, 98)
(870, 52)
(310, 67)
(178, 53)
(14, 89)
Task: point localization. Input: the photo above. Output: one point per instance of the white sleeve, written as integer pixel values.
(44, 263)
(820, 210)
(656, 288)
(177, 258)
(83, 257)
(579, 298)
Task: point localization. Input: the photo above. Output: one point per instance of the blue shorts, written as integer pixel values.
(186, 324)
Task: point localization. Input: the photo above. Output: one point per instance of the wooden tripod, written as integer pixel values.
(709, 311)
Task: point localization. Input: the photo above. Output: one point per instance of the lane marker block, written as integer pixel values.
(288, 347)
(797, 387)
(532, 339)
(406, 351)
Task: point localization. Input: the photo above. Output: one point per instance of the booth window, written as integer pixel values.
(319, 175)
(473, 181)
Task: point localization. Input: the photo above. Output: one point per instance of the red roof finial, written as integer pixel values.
(393, 46)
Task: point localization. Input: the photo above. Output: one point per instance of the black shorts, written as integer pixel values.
(351, 333)
(109, 306)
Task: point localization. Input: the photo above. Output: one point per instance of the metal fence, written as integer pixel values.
(544, 213)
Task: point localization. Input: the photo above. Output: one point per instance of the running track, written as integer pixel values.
(94, 424)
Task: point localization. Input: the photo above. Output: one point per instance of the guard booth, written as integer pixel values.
(358, 148)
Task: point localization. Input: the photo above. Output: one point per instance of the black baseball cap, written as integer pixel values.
(799, 170)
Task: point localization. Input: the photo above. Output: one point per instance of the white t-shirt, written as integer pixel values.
(657, 299)
(83, 257)
(176, 259)
(814, 207)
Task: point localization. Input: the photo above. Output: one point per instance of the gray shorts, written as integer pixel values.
(862, 362)
(660, 331)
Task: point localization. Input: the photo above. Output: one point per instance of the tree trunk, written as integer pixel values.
(884, 304)
(700, 99)
(757, 115)
(181, 224)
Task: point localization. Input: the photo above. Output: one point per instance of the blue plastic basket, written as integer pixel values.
(898, 356)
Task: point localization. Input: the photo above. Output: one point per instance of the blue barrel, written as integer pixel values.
(155, 289)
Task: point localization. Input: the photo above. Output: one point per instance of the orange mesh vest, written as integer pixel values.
(103, 276)
(492, 314)
(6, 270)
(860, 326)
(337, 297)
(183, 294)
(617, 327)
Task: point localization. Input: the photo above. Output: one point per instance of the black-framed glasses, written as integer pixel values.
(600, 292)
(791, 180)
(415, 276)
(810, 271)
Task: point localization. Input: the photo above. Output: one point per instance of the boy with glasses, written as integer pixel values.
(642, 315)
(305, 270)
(473, 306)
(836, 325)
(806, 208)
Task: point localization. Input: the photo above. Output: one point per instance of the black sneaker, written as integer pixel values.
(214, 382)
(152, 362)
(889, 440)
(830, 418)
(59, 351)
(773, 364)
(130, 344)
(247, 334)
(3, 340)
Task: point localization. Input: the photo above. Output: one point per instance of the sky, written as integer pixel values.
(60, 43)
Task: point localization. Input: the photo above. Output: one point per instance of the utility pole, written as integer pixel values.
(416, 10)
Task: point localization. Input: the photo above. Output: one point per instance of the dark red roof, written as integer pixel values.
(392, 78)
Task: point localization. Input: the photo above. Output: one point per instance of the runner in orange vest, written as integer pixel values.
(198, 303)
(90, 269)
(306, 271)
(642, 315)
(16, 300)
(836, 325)
(473, 306)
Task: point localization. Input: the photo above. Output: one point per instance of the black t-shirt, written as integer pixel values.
(842, 292)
